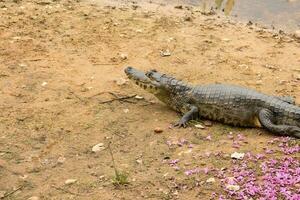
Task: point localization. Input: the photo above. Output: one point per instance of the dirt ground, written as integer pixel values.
(61, 61)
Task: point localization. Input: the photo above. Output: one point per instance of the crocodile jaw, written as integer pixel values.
(140, 79)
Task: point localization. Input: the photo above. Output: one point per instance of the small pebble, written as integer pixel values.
(199, 126)
(138, 97)
(226, 39)
(210, 180)
(178, 7)
(158, 130)
(33, 198)
(98, 147)
(22, 65)
(70, 181)
(2, 194)
(297, 34)
(123, 56)
(165, 53)
(126, 110)
(44, 84)
(139, 161)
(238, 156)
(61, 159)
(233, 187)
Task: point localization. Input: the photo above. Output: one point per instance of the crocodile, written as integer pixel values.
(229, 104)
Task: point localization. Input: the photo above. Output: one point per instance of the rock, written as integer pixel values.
(165, 53)
(123, 56)
(16, 38)
(70, 181)
(211, 180)
(138, 97)
(2, 194)
(226, 39)
(270, 67)
(158, 130)
(23, 177)
(126, 110)
(187, 18)
(98, 147)
(238, 156)
(178, 7)
(44, 84)
(139, 161)
(233, 187)
(22, 65)
(34, 198)
(61, 159)
(296, 76)
(297, 34)
(199, 126)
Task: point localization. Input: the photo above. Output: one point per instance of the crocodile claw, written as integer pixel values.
(180, 124)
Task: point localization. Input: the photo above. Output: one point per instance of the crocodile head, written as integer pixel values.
(140, 79)
(168, 82)
(162, 86)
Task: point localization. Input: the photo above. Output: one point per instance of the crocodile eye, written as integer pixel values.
(149, 74)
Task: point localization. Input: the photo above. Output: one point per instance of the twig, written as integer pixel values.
(113, 159)
(124, 100)
(118, 99)
(99, 93)
(78, 97)
(34, 59)
(12, 192)
(5, 151)
(69, 192)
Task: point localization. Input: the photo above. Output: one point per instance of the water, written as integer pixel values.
(281, 14)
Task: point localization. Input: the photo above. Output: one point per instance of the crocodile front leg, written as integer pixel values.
(266, 119)
(187, 117)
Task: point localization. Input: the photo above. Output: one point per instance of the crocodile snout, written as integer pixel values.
(127, 70)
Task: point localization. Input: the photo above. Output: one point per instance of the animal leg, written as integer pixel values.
(187, 117)
(266, 119)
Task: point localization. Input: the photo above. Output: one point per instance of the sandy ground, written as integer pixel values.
(60, 60)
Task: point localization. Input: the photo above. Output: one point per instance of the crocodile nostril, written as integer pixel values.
(128, 69)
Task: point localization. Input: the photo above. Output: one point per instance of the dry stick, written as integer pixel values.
(12, 192)
(123, 100)
(113, 160)
(76, 96)
(99, 93)
(118, 99)
(5, 151)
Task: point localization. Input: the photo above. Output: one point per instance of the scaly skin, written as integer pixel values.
(228, 104)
